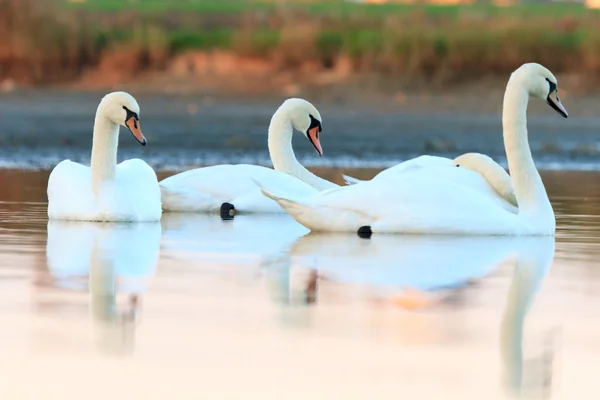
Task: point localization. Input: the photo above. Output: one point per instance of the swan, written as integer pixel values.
(490, 171)
(229, 188)
(425, 204)
(107, 191)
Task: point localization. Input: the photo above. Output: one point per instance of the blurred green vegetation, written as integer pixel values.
(56, 39)
(331, 7)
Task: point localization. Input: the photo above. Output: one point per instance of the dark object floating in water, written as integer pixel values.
(364, 232)
(227, 211)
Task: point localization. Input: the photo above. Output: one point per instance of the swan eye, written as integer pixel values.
(458, 165)
(130, 114)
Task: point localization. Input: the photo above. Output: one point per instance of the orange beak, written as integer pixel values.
(313, 136)
(135, 129)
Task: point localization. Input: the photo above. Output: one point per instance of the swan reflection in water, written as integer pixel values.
(249, 239)
(534, 258)
(107, 259)
(409, 271)
(417, 271)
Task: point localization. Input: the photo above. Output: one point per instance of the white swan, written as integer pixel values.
(424, 204)
(490, 171)
(229, 188)
(106, 191)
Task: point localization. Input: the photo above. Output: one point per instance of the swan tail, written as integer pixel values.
(296, 207)
(275, 195)
(350, 180)
(315, 217)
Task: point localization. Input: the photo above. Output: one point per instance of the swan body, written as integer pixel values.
(206, 189)
(420, 204)
(107, 191)
(495, 182)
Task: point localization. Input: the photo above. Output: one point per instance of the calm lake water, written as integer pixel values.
(195, 307)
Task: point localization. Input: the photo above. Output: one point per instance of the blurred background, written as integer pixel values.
(391, 79)
(416, 44)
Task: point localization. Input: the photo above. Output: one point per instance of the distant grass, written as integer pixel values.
(335, 7)
(56, 39)
(160, 6)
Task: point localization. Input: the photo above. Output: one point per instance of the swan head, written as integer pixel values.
(473, 161)
(306, 119)
(491, 171)
(122, 109)
(540, 82)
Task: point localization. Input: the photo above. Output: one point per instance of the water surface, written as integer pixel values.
(196, 307)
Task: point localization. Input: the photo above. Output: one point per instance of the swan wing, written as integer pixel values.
(69, 192)
(409, 165)
(136, 192)
(463, 177)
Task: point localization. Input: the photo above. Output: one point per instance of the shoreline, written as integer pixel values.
(42, 127)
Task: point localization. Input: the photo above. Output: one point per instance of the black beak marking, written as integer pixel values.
(131, 114)
(314, 123)
(551, 103)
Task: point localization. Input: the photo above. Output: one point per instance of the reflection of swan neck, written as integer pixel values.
(281, 151)
(528, 186)
(511, 337)
(101, 283)
(533, 261)
(104, 150)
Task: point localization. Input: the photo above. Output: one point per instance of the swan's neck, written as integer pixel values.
(282, 154)
(529, 188)
(104, 152)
